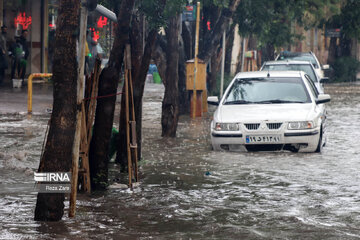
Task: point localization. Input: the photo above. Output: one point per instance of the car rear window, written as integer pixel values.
(307, 58)
(292, 67)
(267, 90)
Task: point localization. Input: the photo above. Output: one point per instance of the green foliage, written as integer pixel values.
(217, 3)
(345, 69)
(348, 19)
(271, 20)
(157, 15)
(227, 79)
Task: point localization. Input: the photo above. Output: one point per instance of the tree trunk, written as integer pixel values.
(215, 63)
(184, 101)
(170, 105)
(212, 38)
(229, 48)
(188, 40)
(159, 56)
(332, 51)
(108, 82)
(345, 45)
(139, 84)
(270, 52)
(58, 150)
(140, 65)
(185, 53)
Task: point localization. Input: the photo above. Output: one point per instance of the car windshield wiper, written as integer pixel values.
(238, 102)
(278, 101)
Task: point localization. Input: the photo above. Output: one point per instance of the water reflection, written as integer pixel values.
(189, 191)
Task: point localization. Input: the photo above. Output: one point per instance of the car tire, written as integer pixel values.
(320, 143)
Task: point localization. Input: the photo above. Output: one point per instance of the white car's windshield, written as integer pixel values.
(267, 91)
(292, 67)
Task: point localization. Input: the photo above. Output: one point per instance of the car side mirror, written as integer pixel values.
(213, 100)
(323, 98)
(325, 67)
(324, 79)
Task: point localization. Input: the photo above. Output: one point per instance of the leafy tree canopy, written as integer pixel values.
(270, 20)
(348, 19)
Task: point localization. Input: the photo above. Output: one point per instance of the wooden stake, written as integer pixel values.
(127, 117)
(80, 96)
(127, 126)
(133, 132)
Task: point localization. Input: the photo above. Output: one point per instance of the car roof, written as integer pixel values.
(287, 62)
(294, 54)
(263, 74)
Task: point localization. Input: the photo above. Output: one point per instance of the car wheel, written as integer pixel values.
(320, 143)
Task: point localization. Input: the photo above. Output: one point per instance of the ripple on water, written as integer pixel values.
(188, 191)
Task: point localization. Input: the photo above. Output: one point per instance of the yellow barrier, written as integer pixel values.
(31, 76)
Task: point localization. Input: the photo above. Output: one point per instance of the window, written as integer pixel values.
(313, 89)
(292, 67)
(267, 90)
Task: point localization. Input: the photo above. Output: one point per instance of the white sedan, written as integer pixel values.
(286, 65)
(267, 111)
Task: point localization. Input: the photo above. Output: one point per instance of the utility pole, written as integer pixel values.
(196, 56)
(223, 64)
(243, 54)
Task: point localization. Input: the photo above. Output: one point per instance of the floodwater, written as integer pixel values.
(188, 191)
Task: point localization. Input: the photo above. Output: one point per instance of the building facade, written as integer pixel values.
(38, 17)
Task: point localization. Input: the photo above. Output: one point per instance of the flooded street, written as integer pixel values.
(188, 191)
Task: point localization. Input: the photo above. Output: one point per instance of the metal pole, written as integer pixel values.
(243, 55)
(223, 64)
(80, 96)
(196, 56)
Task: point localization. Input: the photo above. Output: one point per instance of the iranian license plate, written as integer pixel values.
(263, 139)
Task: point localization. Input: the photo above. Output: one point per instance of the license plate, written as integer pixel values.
(263, 139)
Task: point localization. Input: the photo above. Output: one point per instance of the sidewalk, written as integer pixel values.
(14, 100)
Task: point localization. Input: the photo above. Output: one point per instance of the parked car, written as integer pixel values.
(289, 65)
(279, 110)
(304, 56)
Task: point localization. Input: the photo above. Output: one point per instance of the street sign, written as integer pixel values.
(333, 32)
(189, 14)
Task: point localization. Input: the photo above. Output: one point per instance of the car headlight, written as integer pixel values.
(227, 127)
(301, 125)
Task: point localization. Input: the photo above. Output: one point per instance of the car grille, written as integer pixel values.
(252, 126)
(273, 125)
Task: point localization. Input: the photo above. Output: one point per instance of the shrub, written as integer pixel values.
(227, 80)
(345, 69)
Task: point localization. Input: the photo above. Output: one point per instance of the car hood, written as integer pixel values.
(264, 112)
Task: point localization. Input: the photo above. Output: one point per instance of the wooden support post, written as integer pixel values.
(199, 99)
(84, 150)
(204, 101)
(127, 117)
(127, 126)
(80, 96)
(133, 133)
(131, 141)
